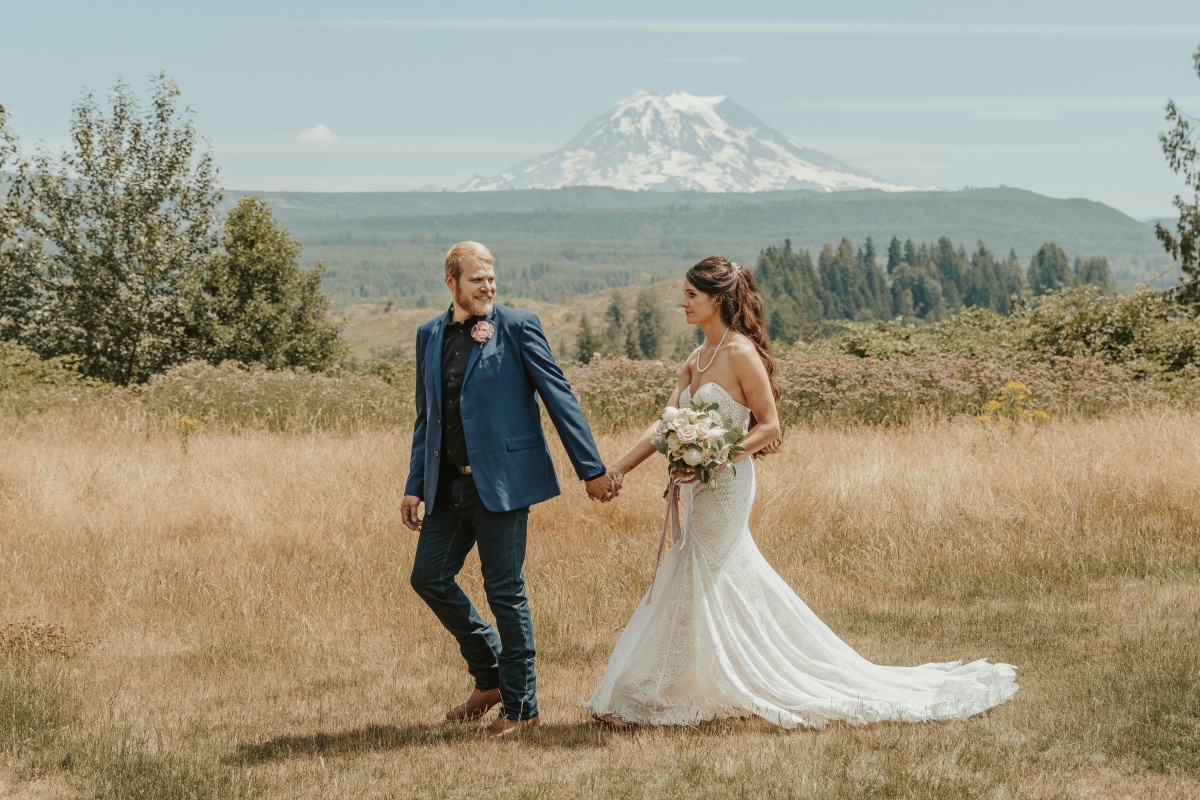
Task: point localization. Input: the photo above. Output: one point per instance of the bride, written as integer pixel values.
(721, 634)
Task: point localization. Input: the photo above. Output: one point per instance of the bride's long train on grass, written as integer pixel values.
(722, 635)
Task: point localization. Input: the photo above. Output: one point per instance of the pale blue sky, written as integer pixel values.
(1060, 98)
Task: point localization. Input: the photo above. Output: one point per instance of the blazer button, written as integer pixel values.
(435, 454)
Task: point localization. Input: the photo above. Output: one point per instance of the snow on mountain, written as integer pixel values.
(677, 142)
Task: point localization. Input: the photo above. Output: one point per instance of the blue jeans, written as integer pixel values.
(459, 522)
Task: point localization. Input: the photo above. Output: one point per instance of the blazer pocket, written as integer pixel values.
(523, 442)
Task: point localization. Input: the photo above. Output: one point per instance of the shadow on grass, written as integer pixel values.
(376, 738)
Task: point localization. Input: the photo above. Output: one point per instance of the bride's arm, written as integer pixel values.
(752, 376)
(643, 448)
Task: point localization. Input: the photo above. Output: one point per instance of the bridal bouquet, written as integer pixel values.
(696, 438)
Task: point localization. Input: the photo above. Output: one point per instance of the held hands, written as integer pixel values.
(606, 487)
(408, 512)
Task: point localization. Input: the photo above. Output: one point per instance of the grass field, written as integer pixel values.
(248, 630)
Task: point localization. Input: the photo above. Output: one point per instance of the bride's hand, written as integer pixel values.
(682, 475)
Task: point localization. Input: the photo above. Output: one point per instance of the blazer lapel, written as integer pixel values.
(433, 362)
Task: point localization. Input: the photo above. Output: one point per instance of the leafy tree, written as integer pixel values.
(22, 282)
(1182, 149)
(1095, 272)
(1049, 270)
(586, 343)
(651, 324)
(257, 304)
(129, 216)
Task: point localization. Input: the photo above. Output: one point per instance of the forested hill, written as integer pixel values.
(554, 244)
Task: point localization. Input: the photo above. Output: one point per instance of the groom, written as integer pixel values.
(479, 461)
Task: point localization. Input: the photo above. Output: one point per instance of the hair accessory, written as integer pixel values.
(736, 268)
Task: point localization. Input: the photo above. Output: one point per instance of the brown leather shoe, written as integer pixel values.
(510, 727)
(477, 705)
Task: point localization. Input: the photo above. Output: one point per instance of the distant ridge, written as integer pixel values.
(680, 142)
(379, 246)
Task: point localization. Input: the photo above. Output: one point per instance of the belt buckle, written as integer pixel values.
(463, 470)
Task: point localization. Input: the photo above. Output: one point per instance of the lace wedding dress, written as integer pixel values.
(722, 635)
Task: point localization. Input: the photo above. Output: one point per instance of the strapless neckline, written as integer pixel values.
(723, 390)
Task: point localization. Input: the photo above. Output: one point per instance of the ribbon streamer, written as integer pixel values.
(670, 525)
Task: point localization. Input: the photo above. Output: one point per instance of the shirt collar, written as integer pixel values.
(465, 324)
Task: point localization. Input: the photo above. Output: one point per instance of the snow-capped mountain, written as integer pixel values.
(679, 142)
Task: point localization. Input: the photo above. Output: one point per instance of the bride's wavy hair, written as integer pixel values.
(741, 306)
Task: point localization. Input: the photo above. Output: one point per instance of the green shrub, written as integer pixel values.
(29, 383)
(252, 397)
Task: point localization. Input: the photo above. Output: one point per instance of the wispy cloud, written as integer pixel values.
(752, 26)
(1030, 114)
(378, 145)
(319, 135)
(984, 105)
(703, 60)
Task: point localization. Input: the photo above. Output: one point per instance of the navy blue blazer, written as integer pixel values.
(500, 412)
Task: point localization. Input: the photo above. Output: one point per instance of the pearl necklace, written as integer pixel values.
(714, 355)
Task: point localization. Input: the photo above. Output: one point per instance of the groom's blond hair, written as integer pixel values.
(466, 250)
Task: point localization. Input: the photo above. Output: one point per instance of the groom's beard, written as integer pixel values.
(476, 305)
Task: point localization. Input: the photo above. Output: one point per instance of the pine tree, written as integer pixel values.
(985, 286)
(1095, 272)
(651, 324)
(952, 272)
(632, 350)
(586, 343)
(613, 341)
(1049, 270)
(895, 255)
(1014, 279)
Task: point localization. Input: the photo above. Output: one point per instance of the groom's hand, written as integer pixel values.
(600, 488)
(408, 512)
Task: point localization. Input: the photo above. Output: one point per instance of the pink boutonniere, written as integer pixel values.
(482, 332)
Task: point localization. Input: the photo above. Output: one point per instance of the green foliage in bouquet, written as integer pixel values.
(694, 438)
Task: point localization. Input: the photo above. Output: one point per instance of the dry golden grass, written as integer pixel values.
(258, 635)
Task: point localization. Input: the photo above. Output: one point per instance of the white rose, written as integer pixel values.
(670, 414)
(673, 440)
(687, 433)
(716, 432)
(692, 457)
(692, 415)
(702, 429)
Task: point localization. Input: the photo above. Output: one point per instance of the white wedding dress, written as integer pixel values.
(722, 635)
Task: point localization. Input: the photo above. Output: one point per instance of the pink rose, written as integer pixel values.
(687, 433)
(482, 331)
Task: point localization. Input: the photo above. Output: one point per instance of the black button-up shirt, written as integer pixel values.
(456, 353)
